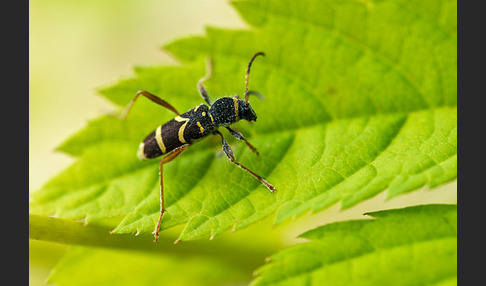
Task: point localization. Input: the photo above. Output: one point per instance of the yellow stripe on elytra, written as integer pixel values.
(236, 107)
(181, 119)
(181, 132)
(181, 129)
(158, 137)
(200, 127)
(210, 115)
(141, 151)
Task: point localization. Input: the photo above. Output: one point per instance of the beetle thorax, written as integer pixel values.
(228, 110)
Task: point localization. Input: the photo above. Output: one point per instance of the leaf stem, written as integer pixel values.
(76, 233)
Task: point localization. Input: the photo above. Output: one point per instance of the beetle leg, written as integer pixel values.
(153, 98)
(229, 153)
(171, 156)
(239, 136)
(200, 86)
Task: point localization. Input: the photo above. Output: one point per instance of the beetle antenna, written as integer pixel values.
(247, 93)
(257, 94)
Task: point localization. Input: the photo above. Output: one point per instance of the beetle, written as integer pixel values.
(176, 135)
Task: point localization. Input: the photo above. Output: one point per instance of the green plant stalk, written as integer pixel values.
(76, 233)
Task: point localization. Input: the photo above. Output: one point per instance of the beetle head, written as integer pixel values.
(246, 111)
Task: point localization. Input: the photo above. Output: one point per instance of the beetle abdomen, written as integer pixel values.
(161, 141)
(180, 131)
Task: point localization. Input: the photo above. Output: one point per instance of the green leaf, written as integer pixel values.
(411, 246)
(361, 97)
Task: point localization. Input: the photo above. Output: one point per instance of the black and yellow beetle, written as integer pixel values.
(174, 136)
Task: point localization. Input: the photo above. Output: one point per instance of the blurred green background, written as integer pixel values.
(77, 47)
